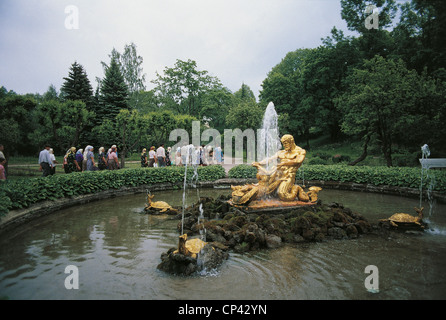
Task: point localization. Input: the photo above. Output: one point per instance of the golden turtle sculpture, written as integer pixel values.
(190, 247)
(406, 220)
(158, 206)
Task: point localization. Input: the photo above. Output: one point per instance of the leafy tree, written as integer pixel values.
(182, 87)
(159, 125)
(244, 93)
(283, 86)
(15, 122)
(419, 36)
(60, 123)
(51, 94)
(325, 69)
(391, 104)
(372, 40)
(245, 115)
(113, 93)
(125, 130)
(355, 14)
(147, 102)
(215, 106)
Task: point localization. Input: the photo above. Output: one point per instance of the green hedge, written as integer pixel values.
(22, 193)
(393, 176)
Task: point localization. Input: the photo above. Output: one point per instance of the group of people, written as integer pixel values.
(78, 160)
(84, 159)
(158, 158)
(200, 155)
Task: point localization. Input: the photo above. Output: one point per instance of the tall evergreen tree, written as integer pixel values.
(77, 86)
(113, 93)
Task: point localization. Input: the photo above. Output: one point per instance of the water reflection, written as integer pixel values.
(117, 250)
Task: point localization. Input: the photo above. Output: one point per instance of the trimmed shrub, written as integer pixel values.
(393, 176)
(22, 193)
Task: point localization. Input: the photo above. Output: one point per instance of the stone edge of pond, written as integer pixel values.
(18, 217)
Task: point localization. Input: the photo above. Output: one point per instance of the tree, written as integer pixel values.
(324, 71)
(130, 65)
(15, 122)
(215, 106)
(374, 37)
(419, 36)
(355, 14)
(77, 86)
(244, 93)
(60, 123)
(283, 87)
(183, 86)
(113, 93)
(125, 130)
(51, 94)
(391, 104)
(245, 115)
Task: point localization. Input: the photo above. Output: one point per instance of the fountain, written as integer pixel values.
(428, 176)
(268, 137)
(276, 174)
(195, 254)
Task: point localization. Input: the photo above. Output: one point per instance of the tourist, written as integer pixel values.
(161, 156)
(210, 158)
(53, 161)
(45, 162)
(115, 148)
(202, 156)
(2, 169)
(144, 162)
(3, 156)
(168, 161)
(84, 160)
(70, 164)
(218, 155)
(178, 157)
(79, 159)
(113, 162)
(197, 156)
(152, 157)
(90, 165)
(102, 163)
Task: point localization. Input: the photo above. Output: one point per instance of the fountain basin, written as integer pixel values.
(117, 251)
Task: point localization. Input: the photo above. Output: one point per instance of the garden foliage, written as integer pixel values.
(392, 176)
(16, 194)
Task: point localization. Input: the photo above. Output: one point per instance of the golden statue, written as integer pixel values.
(280, 179)
(190, 247)
(158, 206)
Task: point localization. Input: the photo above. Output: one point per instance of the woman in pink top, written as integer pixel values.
(112, 160)
(2, 169)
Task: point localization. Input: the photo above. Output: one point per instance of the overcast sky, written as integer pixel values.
(237, 41)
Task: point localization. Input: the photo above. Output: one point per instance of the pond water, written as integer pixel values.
(117, 249)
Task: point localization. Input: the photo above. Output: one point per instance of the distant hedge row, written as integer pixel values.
(22, 193)
(392, 176)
